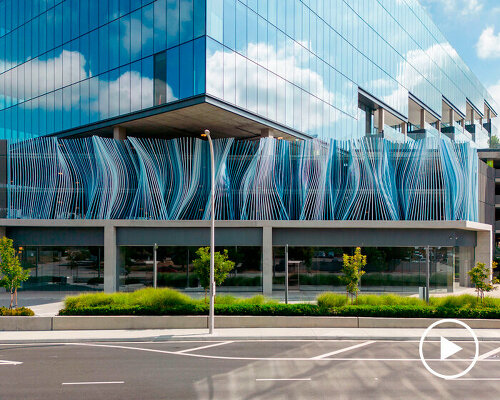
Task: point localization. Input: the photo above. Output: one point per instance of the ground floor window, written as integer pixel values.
(175, 268)
(388, 269)
(63, 268)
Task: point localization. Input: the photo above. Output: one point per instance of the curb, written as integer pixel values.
(68, 323)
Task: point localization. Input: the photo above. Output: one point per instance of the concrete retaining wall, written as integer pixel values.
(25, 323)
(201, 322)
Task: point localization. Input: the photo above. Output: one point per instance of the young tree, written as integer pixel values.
(222, 267)
(353, 271)
(480, 277)
(10, 269)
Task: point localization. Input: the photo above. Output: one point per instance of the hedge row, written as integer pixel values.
(15, 312)
(393, 311)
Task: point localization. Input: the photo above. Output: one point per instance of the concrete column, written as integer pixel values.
(404, 130)
(452, 116)
(422, 119)
(381, 120)
(266, 132)
(267, 260)
(462, 123)
(483, 252)
(472, 116)
(466, 260)
(368, 122)
(438, 125)
(111, 260)
(119, 133)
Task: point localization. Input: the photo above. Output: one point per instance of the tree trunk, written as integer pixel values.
(11, 298)
(15, 293)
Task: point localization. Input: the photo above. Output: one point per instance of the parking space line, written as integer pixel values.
(282, 379)
(93, 383)
(489, 354)
(204, 347)
(5, 362)
(475, 379)
(356, 346)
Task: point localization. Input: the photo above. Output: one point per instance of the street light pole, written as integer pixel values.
(212, 236)
(427, 274)
(155, 266)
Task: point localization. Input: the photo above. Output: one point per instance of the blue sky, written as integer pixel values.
(473, 29)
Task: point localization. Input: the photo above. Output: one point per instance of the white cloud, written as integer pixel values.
(488, 45)
(465, 7)
(494, 90)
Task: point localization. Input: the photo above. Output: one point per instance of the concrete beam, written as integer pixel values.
(267, 260)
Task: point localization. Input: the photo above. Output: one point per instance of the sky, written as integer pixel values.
(473, 29)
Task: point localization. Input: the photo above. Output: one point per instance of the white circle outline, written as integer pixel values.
(426, 332)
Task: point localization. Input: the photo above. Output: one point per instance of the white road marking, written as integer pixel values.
(284, 379)
(266, 359)
(489, 354)
(475, 379)
(5, 362)
(204, 347)
(92, 383)
(332, 353)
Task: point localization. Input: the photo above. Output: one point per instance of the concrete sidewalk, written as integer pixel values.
(242, 334)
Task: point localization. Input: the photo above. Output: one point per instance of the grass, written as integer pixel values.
(150, 297)
(463, 301)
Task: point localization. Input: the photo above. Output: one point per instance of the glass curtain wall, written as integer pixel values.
(66, 64)
(395, 270)
(176, 269)
(300, 63)
(76, 269)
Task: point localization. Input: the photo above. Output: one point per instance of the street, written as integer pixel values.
(254, 369)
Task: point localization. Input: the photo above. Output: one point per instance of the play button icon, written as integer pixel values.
(439, 360)
(448, 348)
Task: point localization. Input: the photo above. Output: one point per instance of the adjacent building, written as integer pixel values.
(338, 123)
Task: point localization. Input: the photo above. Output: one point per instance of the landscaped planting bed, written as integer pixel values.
(171, 302)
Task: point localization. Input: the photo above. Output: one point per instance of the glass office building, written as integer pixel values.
(101, 102)
(309, 68)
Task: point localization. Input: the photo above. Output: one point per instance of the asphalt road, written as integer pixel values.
(243, 370)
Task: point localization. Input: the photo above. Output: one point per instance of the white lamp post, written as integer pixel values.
(212, 236)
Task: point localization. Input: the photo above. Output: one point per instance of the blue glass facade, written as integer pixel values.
(298, 63)
(67, 64)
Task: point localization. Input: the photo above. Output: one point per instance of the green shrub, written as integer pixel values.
(391, 311)
(16, 312)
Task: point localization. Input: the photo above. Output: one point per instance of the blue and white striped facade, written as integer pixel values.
(269, 179)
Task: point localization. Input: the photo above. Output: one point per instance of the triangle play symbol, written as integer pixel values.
(448, 348)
